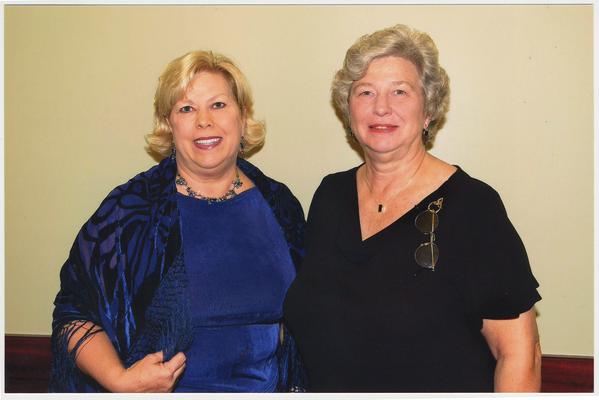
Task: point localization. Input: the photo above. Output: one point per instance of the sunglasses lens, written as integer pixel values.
(426, 255)
(427, 221)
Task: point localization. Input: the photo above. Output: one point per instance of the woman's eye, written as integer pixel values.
(218, 104)
(186, 109)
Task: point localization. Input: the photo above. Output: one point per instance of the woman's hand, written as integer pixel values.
(97, 358)
(515, 345)
(151, 374)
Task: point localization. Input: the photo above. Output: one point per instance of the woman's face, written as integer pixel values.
(207, 125)
(387, 106)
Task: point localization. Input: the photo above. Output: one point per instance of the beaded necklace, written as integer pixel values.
(236, 184)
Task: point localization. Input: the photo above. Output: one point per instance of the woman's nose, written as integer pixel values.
(381, 105)
(204, 119)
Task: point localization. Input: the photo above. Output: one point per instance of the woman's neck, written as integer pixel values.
(385, 176)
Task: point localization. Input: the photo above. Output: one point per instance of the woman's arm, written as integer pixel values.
(97, 358)
(515, 345)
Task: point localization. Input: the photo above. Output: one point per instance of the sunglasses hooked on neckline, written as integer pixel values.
(427, 254)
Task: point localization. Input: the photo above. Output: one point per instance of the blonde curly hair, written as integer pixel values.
(398, 41)
(172, 85)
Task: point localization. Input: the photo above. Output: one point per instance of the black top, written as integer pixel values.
(367, 318)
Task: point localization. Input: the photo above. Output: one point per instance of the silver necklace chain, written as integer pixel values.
(381, 205)
(236, 184)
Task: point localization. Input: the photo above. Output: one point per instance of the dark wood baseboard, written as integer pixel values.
(26, 363)
(27, 368)
(561, 374)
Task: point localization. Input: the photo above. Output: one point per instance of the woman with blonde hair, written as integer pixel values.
(414, 279)
(176, 282)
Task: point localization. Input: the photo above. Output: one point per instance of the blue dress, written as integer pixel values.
(128, 255)
(239, 269)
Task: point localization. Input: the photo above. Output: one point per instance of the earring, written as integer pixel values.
(351, 136)
(173, 151)
(425, 136)
(242, 147)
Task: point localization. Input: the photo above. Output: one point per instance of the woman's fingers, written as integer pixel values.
(178, 372)
(176, 362)
(175, 367)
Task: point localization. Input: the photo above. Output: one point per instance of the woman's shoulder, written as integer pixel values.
(339, 181)
(276, 193)
(151, 182)
(334, 190)
(456, 180)
(266, 185)
(145, 189)
(474, 193)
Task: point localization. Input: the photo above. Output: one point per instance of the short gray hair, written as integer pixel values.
(398, 41)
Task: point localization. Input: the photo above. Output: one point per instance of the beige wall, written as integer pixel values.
(79, 82)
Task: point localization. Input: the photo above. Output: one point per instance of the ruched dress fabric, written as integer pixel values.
(238, 268)
(367, 318)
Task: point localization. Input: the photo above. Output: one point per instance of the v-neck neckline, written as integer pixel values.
(417, 207)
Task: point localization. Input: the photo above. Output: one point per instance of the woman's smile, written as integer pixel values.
(382, 128)
(207, 143)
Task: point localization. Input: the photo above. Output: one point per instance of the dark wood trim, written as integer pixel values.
(27, 361)
(27, 368)
(567, 374)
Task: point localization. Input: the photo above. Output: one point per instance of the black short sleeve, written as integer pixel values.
(500, 278)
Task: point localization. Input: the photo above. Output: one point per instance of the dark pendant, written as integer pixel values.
(380, 208)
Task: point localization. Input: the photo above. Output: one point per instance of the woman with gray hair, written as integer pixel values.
(414, 279)
(176, 283)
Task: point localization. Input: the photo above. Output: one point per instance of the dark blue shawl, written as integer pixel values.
(119, 259)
